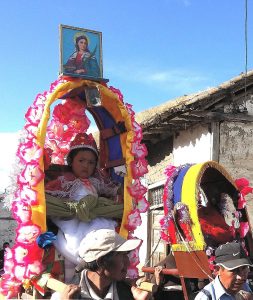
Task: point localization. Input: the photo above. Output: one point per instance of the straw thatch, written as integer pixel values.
(204, 107)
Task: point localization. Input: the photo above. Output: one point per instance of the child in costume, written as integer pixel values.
(75, 184)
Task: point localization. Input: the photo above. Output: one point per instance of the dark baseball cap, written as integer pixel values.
(231, 256)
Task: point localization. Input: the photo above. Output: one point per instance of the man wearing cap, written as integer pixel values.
(104, 262)
(232, 266)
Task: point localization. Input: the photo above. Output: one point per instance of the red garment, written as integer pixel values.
(213, 225)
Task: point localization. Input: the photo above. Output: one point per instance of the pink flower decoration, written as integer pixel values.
(142, 205)
(132, 272)
(211, 262)
(29, 151)
(134, 257)
(32, 174)
(8, 266)
(54, 85)
(27, 234)
(130, 109)
(8, 253)
(34, 269)
(117, 92)
(137, 190)
(26, 193)
(241, 183)
(232, 229)
(9, 287)
(20, 254)
(169, 171)
(241, 202)
(165, 237)
(246, 190)
(73, 106)
(19, 272)
(26, 253)
(134, 220)
(62, 113)
(168, 229)
(64, 146)
(31, 130)
(21, 211)
(139, 168)
(244, 228)
(34, 114)
(53, 145)
(65, 112)
(138, 130)
(55, 129)
(40, 99)
(59, 153)
(139, 150)
(78, 123)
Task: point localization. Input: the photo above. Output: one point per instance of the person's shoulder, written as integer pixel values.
(203, 295)
(206, 292)
(246, 287)
(124, 290)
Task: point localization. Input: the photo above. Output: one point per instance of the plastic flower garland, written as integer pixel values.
(137, 167)
(23, 261)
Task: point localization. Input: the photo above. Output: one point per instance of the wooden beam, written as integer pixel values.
(218, 116)
(215, 127)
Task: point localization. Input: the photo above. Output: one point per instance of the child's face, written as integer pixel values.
(84, 164)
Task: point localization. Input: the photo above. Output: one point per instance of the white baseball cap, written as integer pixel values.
(98, 243)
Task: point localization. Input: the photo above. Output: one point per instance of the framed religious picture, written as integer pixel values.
(81, 53)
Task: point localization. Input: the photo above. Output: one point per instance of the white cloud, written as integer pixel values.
(8, 150)
(92, 129)
(178, 80)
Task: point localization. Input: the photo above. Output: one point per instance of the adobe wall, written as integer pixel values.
(193, 145)
(236, 151)
(159, 157)
(189, 146)
(7, 227)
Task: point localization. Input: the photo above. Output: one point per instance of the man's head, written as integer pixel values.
(233, 265)
(106, 250)
(5, 245)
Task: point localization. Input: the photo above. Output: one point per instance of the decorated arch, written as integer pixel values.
(45, 140)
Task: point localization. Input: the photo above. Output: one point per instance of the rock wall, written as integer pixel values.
(236, 151)
(7, 226)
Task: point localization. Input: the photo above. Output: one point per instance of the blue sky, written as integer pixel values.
(153, 51)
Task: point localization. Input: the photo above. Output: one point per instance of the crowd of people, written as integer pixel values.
(103, 270)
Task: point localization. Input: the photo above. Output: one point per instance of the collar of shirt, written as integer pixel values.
(219, 289)
(93, 295)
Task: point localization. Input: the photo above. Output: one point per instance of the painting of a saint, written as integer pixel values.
(81, 52)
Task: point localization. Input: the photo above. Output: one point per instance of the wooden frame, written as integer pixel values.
(81, 53)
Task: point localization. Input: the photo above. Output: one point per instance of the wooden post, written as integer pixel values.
(56, 285)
